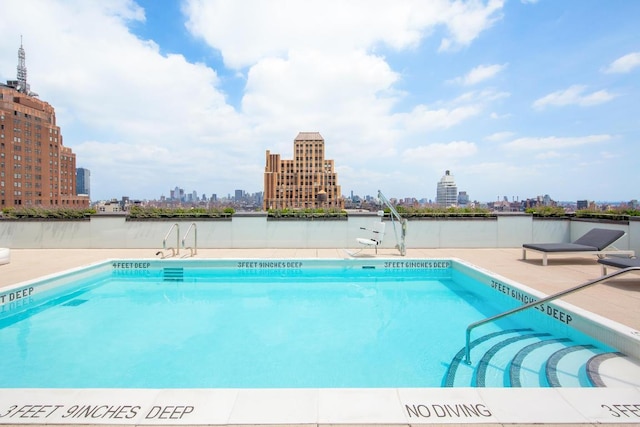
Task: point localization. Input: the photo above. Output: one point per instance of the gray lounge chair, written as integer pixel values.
(596, 241)
(618, 262)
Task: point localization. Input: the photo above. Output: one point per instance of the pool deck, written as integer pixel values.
(618, 300)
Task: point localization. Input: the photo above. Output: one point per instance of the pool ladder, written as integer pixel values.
(467, 356)
(193, 250)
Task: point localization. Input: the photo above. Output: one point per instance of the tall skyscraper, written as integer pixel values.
(307, 181)
(447, 191)
(36, 169)
(83, 181)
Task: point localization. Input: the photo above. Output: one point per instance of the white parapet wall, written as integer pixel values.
(256, 231)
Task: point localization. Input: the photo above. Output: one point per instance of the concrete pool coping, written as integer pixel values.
(617, 300)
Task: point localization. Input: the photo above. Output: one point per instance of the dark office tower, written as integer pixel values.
(83, 181)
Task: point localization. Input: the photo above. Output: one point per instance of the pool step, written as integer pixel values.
(526, 358)
(173, 274)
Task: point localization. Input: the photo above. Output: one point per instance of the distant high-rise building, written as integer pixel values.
(463, 198)
(36, 169)
(177, 194)
(447, 191)
(307, 181)
(83, 181)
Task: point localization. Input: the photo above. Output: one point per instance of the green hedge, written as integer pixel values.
(424, 212)
(547, 211)
(622, 214)
(137, 212)
(611, 214)
(306, 213)
(47, 213)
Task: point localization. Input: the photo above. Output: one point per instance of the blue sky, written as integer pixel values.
(515, 98)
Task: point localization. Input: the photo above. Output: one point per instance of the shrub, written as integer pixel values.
(136, 212)
(621, 214)
(547, 211)
(47, 213)
(306, 213)
(437, 211)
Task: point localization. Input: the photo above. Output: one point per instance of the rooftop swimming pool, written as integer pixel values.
(288, 324)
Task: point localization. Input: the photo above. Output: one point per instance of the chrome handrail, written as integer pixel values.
(194, 250)
(401, 246)
(164, 242)
(467, 356)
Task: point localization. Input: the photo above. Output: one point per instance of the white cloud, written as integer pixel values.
(574, 95)
(499, 136)
(250, 31)
(439, 153)
(466, 20)
(547, 155)
(331, 83)
(482, 97)
(448, 114)
(422, 119)
(609, 155)
(479, 74)
(555, 143)
(624, 64)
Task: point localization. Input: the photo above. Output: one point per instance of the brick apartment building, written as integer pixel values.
(306, 181)
(36, 169)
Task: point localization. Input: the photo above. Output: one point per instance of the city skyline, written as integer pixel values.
(516, 98)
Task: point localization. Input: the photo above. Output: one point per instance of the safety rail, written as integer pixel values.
(401, 246)
(164, 242)
(193, 250)
(467, 356)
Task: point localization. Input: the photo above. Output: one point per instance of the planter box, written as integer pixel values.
(179, 218)
(308, 218)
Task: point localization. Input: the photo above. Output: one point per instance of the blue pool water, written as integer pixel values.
(149, 326)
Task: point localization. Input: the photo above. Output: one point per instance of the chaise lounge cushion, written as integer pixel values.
(619, 262)
(600, 238)
(560, 247)
(594, 240)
